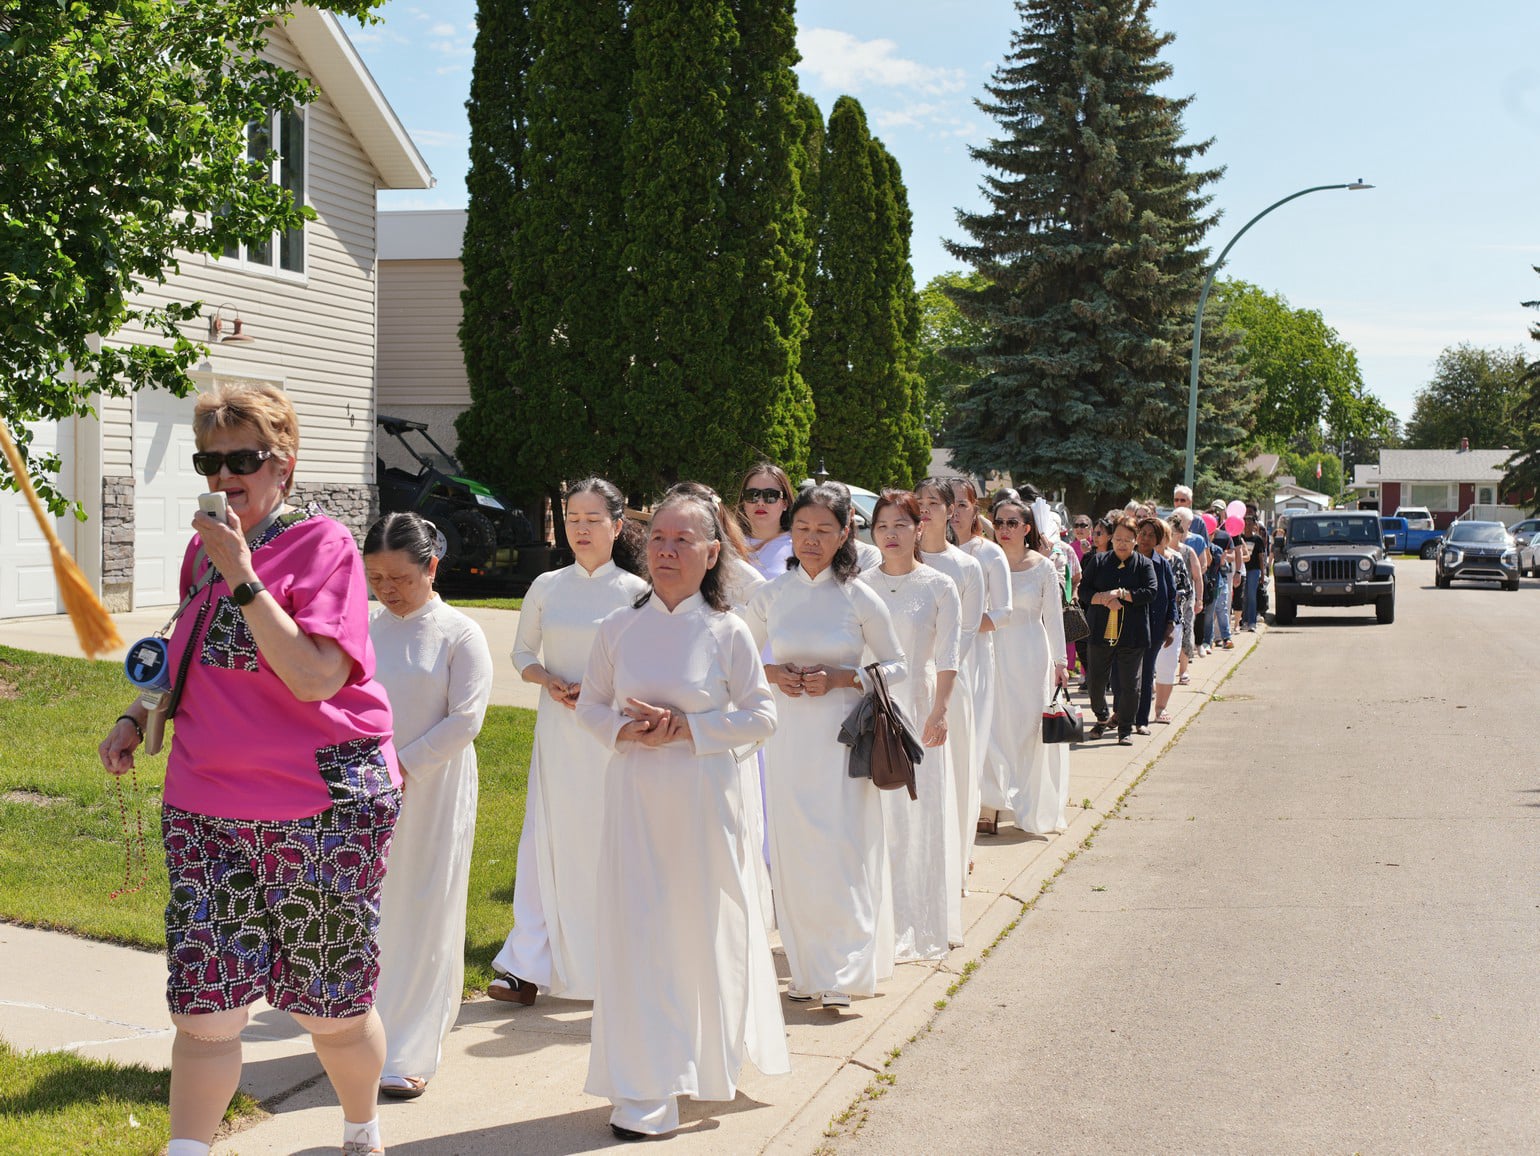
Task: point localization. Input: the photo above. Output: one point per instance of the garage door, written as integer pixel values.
(26, 565)
(165, 494)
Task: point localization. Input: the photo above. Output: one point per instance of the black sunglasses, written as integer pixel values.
(765, 496)
(1082, 525)
(238, 462)
(1009, 524)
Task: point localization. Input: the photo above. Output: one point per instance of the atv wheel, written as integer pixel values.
(478, 539)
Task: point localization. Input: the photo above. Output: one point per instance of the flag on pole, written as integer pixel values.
(1318, 469)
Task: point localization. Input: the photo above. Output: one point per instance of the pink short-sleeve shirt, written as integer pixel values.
(243, 747)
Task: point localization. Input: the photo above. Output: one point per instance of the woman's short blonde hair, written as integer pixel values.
(263, 409)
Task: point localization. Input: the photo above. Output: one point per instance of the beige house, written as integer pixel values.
(422, 369)
(303, 310)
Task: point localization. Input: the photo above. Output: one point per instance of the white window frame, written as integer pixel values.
(1416, 492)
(240, 259)
(1486, 495)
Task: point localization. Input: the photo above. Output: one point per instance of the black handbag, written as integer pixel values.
(1076, 626)
(1062, 721)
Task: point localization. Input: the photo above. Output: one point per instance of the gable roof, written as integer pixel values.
(1443, 465)
(341, 72)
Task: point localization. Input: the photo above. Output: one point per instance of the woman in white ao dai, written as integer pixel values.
(925, 610)
(687, 986)
(551, 947)
(434, 664)
(828, 859)
(1030, 661)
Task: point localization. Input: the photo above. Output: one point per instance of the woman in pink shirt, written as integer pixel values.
(282, 788)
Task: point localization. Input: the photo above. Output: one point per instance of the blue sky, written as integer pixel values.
(1437, 105)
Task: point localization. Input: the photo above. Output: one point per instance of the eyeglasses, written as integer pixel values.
(1082, 525)
(768, 497)
(1009, 524)
(238, 462)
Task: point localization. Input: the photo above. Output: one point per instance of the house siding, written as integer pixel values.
(314, 334)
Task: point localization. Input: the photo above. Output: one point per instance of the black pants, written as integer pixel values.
(1124, 666)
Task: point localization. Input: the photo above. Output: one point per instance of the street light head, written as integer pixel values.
(1358, 184)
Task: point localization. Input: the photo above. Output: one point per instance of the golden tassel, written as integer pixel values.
(93, 625)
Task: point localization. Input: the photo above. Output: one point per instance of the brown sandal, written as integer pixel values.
(512, 989)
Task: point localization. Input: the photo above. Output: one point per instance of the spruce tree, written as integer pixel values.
(1523, 478)
(862, 369)
(492, 312)
(1090, 245)
(895, 272)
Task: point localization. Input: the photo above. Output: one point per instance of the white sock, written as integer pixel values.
(187, 1148)
(353, 1133)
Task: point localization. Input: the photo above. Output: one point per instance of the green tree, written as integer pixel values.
(1090, 247)
(492, 308)
(1523, 477)
(1303, 467)
(943, 330)
(767, 234)
(1307, 373)
(1227, 415)
(1475, 393)
(123, 147)
(860, 357)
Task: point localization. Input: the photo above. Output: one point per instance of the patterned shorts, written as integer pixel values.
(286, 909)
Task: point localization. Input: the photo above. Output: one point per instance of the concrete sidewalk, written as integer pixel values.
(512, 1078)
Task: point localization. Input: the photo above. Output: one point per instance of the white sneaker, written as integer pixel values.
(835, 999)
(799, 996)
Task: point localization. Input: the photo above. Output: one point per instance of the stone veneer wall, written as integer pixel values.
(118, 542)
(356, 507)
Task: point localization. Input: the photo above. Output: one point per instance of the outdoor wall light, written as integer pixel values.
(217, 325)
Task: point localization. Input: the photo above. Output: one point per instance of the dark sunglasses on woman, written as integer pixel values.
(238, 462)
(768, 497)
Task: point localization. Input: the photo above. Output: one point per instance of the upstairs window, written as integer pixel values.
(286, 163)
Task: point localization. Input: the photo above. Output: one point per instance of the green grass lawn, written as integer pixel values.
(61, 834)
(60, 1104)
(488, 603)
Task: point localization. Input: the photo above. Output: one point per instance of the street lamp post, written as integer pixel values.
(1197, 321)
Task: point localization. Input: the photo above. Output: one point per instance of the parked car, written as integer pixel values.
(1482, 552)
(1401, 538)
(1418, 517)
(1527, 533)
(1334, 558)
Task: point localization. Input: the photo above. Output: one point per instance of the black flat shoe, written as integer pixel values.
(627, 1134)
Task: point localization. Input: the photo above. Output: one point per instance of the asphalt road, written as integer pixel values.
(1316, 927)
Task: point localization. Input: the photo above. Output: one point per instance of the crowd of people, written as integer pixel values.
(695, 677)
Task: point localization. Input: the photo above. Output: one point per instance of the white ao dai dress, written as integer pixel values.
(981, 663)
(828, 859)
(687, 985)
(965, 742)
(1035, 773)
(552, 941)
(435, 666)
(925, 611)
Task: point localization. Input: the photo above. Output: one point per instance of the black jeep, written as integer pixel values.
(1334, 558)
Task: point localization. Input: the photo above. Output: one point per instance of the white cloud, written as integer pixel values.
(443, 30)
(839, 60)
(454, 48)
(436, 137)
(449, 70)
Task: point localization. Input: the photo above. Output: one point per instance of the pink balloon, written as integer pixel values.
(1234, 525)
(1236, 509)
(1210, 521)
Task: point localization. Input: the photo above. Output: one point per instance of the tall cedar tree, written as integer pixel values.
(1091, 247)
(1523, 477)
(678, 294)
(862, 353)
(547, 317)
(491, 311)
(767, 234)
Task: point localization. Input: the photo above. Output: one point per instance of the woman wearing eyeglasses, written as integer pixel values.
(551, 947)
(827, 848)
(764, 514)
(1029, 659)
(282, 787)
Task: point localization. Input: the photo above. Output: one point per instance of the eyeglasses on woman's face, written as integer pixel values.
(238, 462)
(1009, 524)
(768, 497)
(1082, 525)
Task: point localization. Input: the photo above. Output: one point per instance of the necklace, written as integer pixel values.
(893, 581)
